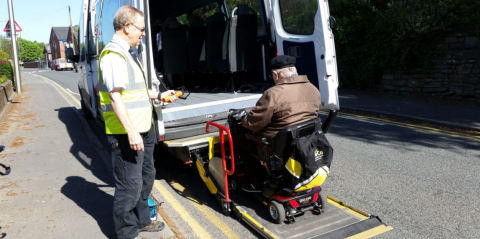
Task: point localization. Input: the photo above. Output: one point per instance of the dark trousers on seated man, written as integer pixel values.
(254, 170)
(134, 175)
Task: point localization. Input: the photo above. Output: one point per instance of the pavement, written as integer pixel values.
(61, 184)
(453, 113)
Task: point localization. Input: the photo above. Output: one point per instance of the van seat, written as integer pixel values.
(243, 39)
(174, 47)
(197, 34)
(217, 43)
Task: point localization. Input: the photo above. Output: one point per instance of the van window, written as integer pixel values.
(92, 32)
(81, 38)
(90, 45)
(106, 29)
(298, 17)
(232, 4)
(204, 12)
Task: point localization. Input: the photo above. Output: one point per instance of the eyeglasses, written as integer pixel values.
(142, 30)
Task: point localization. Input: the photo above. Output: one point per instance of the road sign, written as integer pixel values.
(7, 27)
(9, 34)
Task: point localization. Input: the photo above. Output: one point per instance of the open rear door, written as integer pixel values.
(302, 30)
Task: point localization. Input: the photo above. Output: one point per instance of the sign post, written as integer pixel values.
(14, 45)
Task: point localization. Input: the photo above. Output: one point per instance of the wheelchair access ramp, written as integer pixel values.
(338, 221)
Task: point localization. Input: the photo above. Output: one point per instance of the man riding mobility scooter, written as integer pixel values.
(297, 162)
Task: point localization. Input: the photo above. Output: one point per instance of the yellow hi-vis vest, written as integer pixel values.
(135, 95)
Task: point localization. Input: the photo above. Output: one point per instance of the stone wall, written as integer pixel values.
(6, 95)
(453, 74)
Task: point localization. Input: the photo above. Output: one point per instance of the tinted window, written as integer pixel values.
(91, 47)
(92, 29)
(298, 16)
(97, 15)
(81, 38)
(232, 4)
(106, 29)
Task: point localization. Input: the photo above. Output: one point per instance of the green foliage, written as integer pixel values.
(6, 70)
(3, 79)
(29, 51)
(6, 46)
(298, 16)
(468, 13)
(42, 47)
(363, 42)
(374, 35)
(3, 55)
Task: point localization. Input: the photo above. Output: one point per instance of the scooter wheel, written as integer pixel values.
(234, 183)
(277, 212)
(322, 201)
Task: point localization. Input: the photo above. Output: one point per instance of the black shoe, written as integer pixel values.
(252, 187)
(155, 226)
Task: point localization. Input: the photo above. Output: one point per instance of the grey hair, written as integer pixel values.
(125, 15)
(290, 71)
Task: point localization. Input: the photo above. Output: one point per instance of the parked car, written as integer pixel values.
(61, 64)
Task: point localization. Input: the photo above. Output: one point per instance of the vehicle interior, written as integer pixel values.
(199, 44)
(218, 50)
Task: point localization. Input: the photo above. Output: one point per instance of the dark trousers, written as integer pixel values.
(252, 166)
(134, 174)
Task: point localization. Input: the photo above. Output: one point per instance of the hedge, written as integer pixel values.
(376, 35)
(6, 71)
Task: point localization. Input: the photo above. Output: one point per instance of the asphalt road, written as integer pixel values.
(422, 182)
(66, 79)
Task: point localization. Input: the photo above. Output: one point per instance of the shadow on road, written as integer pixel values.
(83, 148)
(92, 200)
(85, 194)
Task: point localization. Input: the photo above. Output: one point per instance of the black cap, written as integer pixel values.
(282, 61)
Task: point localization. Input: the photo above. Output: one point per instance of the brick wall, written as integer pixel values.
(453, 74)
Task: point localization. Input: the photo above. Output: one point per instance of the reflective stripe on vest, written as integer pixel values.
(134, 95)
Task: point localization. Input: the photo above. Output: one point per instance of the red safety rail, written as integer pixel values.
(226, 172)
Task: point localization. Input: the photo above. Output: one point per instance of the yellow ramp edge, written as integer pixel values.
(259, 227)
(372, 232)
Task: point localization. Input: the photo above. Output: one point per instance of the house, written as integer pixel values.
(60, 38)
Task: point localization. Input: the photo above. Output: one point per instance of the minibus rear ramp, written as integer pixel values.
(338, 221)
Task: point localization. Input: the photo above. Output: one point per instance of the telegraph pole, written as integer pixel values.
(14, 45)
(71, 30)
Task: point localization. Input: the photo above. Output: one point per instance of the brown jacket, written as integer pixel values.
(293, 100)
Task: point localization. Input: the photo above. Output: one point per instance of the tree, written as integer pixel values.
(29, 51)
(42, 46)
(6, 46)
(3, 55)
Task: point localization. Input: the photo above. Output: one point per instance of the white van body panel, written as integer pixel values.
(322, 39)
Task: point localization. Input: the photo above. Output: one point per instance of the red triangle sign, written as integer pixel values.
(7, 27)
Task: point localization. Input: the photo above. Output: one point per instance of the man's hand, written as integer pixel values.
(136, 141)
(238, 114)
(172, 97)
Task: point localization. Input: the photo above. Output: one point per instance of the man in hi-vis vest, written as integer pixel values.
(127, 110)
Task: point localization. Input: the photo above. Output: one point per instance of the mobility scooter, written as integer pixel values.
(284, 203)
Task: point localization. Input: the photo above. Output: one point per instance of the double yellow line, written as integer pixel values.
(206, 211)
(61, 88)
(411, 126)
